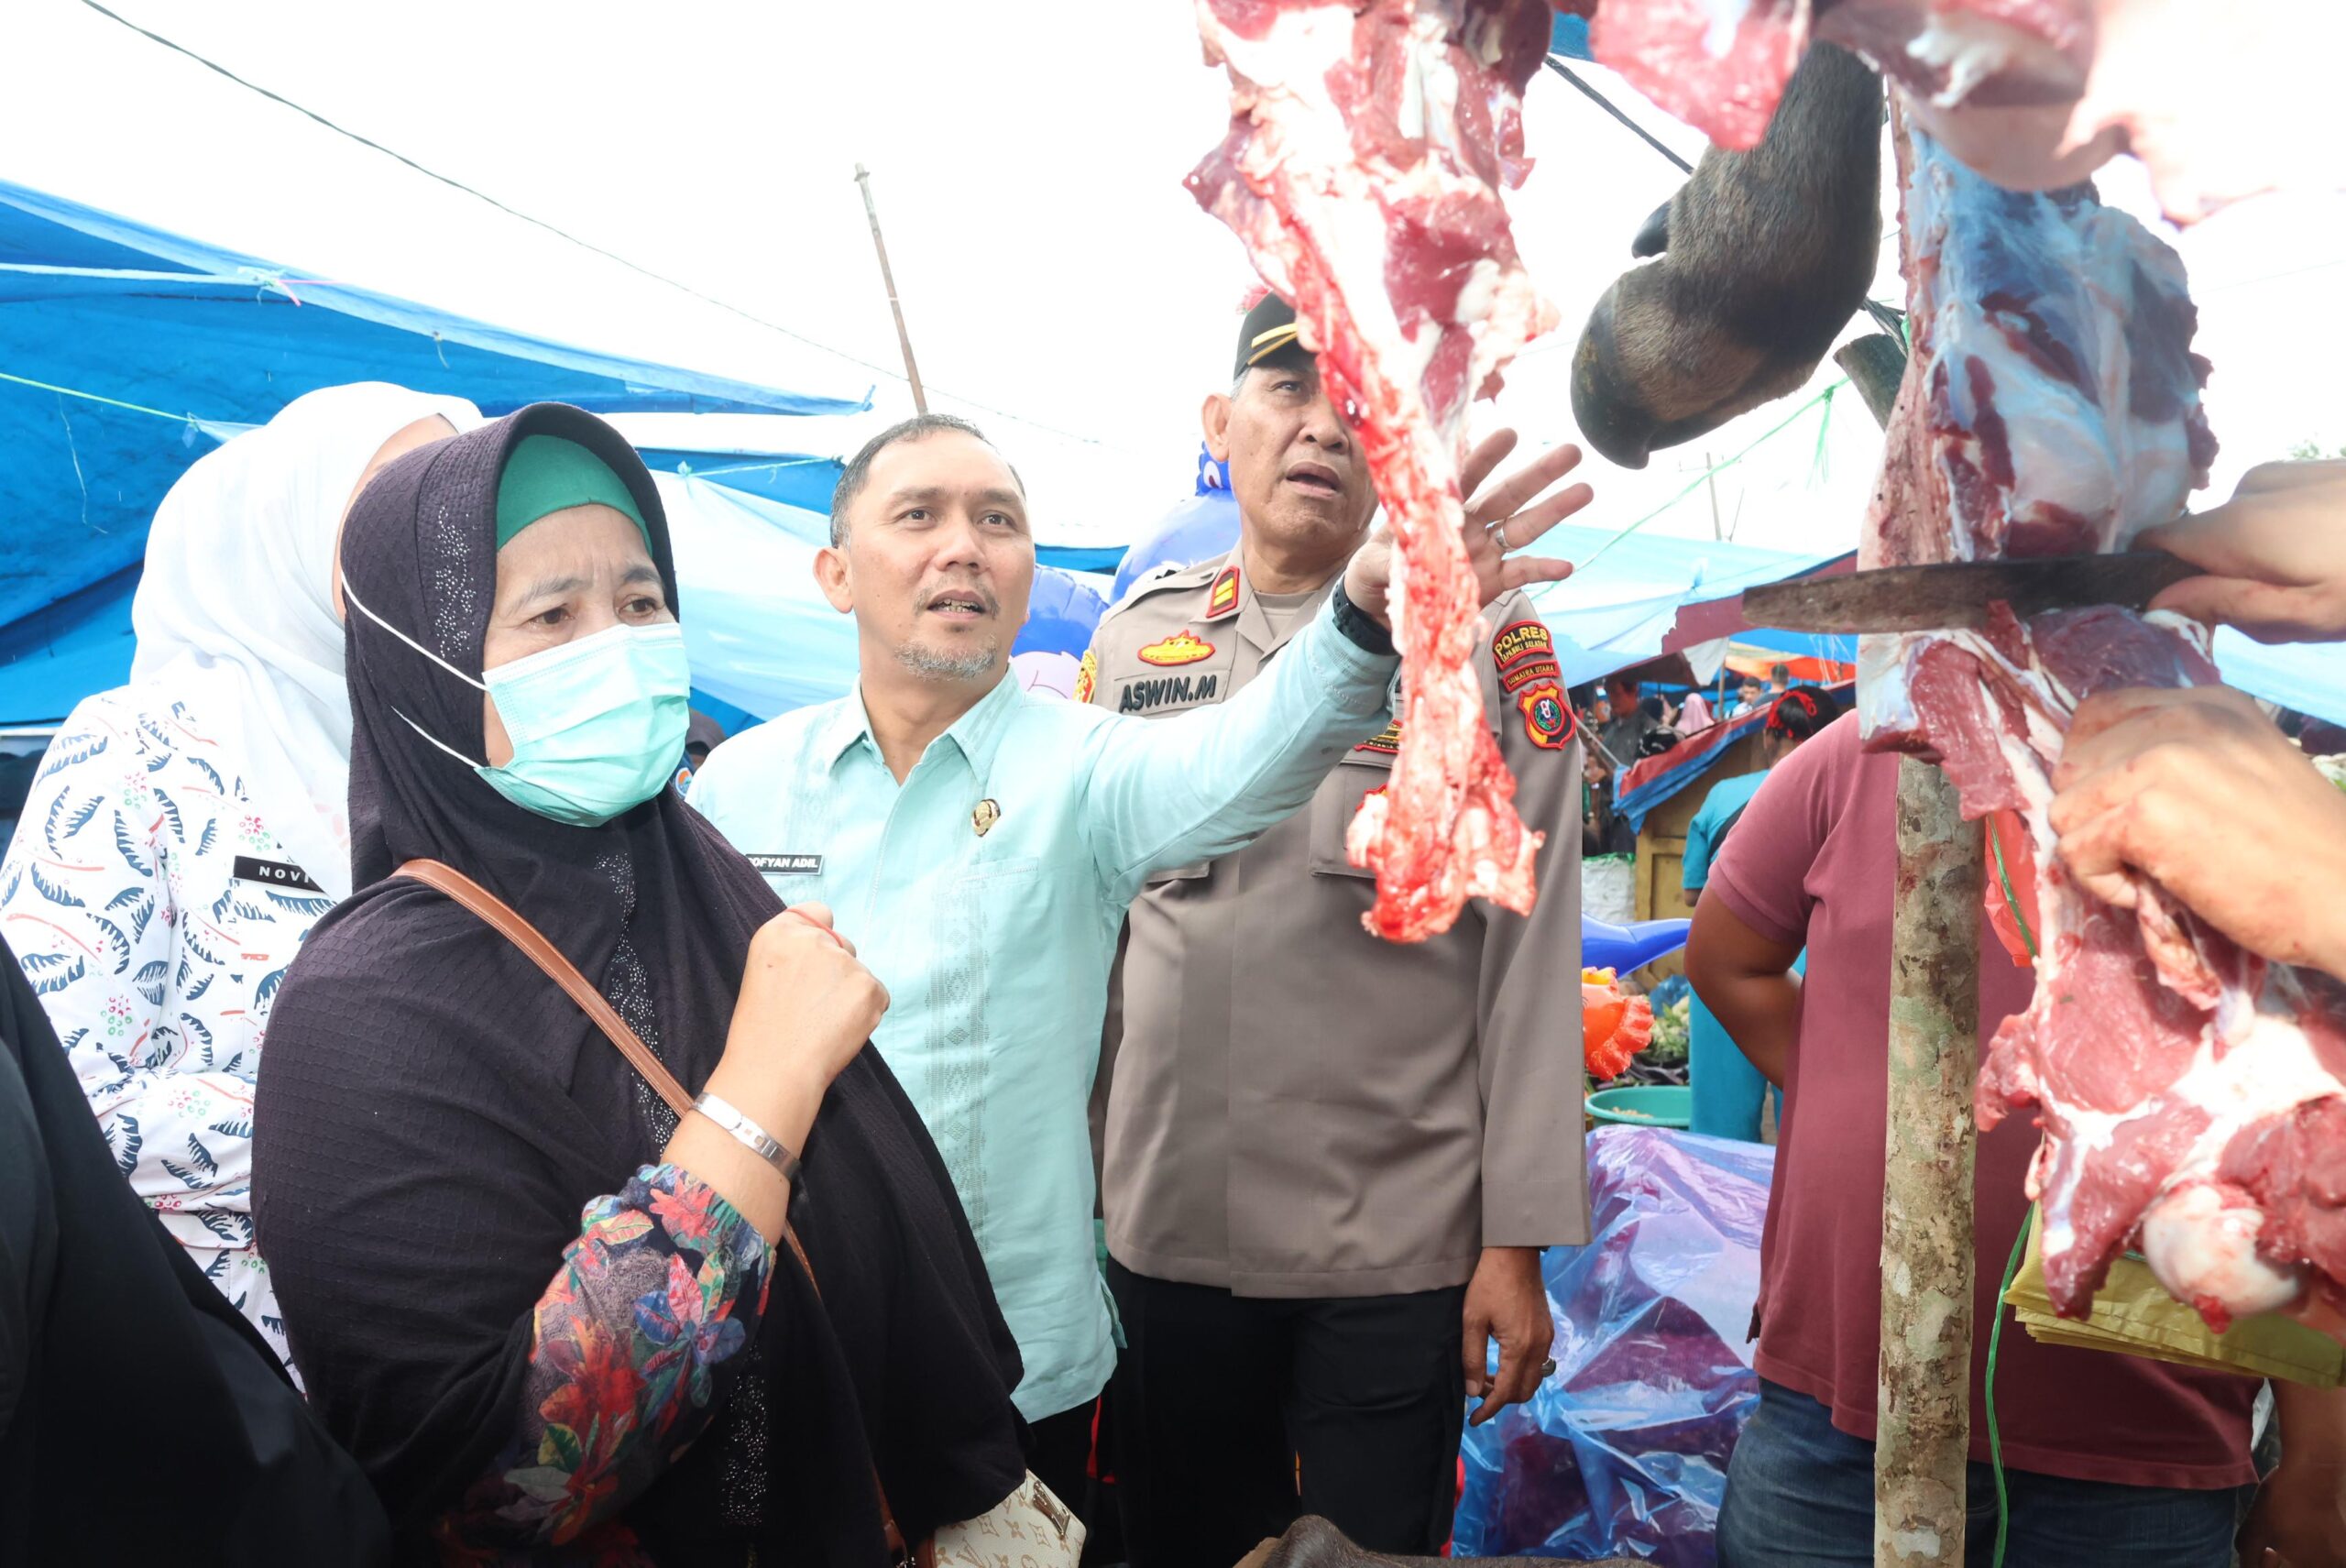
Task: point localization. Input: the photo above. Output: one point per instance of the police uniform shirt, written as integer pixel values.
(1299, 1108)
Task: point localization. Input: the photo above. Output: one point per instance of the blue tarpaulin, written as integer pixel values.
(803, 481)
(1625, 594)
(125, 353)
(1568, 37)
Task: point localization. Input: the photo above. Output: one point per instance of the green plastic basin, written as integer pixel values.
(1645, 1105)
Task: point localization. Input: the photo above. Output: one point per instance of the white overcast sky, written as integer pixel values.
(1027, 156)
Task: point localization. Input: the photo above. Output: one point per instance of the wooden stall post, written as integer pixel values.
(1924, 1409)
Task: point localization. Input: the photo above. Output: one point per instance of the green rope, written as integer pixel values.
(1817, 466)
(1995, 1342)
(2011, 900)
(2020, 1250)
(93, 398)
(1703, 477)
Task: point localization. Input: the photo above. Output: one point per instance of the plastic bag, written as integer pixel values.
(1624, 1450)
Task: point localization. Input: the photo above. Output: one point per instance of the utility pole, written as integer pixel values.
(1711, 482)
(895, 307)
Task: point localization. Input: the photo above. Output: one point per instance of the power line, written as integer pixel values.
(612, 256)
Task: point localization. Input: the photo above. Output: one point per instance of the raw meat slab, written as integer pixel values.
(2190, 1093)
(1368, 145)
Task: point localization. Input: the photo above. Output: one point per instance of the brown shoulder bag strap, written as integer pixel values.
(493, 911)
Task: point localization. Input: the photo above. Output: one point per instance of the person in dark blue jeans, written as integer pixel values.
(2108, 1458)
(1800, 1494)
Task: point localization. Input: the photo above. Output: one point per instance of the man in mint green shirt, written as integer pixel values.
(979, 846)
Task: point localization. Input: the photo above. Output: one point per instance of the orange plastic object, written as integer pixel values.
(1614, 1027)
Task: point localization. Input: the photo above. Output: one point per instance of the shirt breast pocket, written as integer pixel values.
(1365, 768)
(988, 898)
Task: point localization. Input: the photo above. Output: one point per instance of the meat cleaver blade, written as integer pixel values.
(1956, 594)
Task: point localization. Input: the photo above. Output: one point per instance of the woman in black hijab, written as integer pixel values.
(435, 1116)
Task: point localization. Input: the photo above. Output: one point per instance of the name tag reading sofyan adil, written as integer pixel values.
(788, 865)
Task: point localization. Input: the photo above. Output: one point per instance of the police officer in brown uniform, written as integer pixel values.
(1330, 1161)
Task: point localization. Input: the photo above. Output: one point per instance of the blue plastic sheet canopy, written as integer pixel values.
(1622, 1451)
(125, 353)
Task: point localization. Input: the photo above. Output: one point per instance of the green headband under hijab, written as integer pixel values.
(545, 473)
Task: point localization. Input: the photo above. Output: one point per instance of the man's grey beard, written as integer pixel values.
(930, 664)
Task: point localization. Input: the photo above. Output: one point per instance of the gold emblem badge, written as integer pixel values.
(983, 818)
(1184, 647)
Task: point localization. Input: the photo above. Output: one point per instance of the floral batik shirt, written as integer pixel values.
(662, 1292)
(156, 916)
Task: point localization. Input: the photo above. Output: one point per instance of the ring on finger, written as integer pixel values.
(1498, 531)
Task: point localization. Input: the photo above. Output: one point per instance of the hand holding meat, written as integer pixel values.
(1509, 517)
(2274, 555)
(2196, 790)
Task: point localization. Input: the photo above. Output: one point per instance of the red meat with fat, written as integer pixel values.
(1369, 142)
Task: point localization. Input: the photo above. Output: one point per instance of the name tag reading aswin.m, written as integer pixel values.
(788, 865)
(276, 874)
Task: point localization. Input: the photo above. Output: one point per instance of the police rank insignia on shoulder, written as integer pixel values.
(1223, 597)
(1547, 717)
(1184, 647)
(1087, 675)
(1386, 744)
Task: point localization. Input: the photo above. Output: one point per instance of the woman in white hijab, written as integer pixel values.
(187, 830)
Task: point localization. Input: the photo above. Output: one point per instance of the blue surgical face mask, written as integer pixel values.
(597, 724)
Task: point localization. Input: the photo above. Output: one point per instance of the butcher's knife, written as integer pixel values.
(1957, 592)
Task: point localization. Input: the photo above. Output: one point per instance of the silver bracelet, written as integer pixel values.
(749, 1135)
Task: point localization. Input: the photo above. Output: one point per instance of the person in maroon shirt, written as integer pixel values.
(2109, 1458)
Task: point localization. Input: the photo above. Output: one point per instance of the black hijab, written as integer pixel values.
(433, 1112)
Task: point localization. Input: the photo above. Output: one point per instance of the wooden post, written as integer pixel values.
(1924, 1411)
(904, 338)
(1923, 1398)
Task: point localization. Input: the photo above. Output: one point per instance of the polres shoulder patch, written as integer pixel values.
(1522, 640)
(1087, 675)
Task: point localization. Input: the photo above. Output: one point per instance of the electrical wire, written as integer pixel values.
(563, 233)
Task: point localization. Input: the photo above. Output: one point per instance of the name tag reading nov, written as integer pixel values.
(788, 865)
(277, 873)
